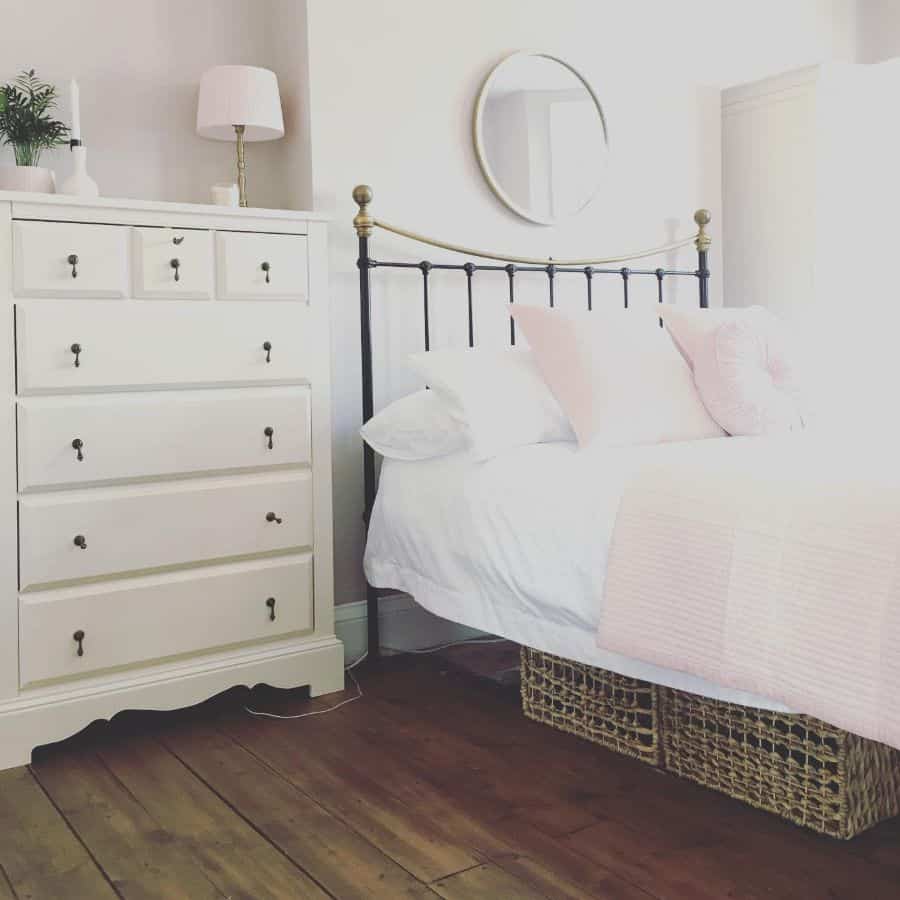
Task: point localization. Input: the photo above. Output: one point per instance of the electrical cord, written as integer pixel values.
(320, 712)
(359, 691)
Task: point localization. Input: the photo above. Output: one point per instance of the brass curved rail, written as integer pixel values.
(364, 224)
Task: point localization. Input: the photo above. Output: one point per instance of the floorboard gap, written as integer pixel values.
(75, 833)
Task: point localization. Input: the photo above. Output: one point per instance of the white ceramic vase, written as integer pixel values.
(79, 182)
(27, 178)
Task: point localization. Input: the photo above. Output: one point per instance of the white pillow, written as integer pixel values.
(499, 396)
(617, 375)
(418, 426)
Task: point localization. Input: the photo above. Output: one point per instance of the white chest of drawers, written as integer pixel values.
(165, 460)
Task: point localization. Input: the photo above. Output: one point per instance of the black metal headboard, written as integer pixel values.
(514, 267)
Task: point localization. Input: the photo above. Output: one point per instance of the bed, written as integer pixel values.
(519, 546)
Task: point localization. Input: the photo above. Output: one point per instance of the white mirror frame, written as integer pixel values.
(478, 135)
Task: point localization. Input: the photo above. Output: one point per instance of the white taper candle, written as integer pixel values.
(76, 111)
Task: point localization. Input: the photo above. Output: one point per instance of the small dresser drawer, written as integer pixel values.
(69, 347)
(127, 623)
(67, 259)
(159, 434)
(261, 266)
(173, 263)
(112, 531)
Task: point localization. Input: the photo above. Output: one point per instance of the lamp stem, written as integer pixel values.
(241, 166)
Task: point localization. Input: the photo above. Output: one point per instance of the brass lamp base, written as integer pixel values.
(241, 166)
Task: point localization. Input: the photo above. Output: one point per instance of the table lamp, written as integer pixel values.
(242, 103)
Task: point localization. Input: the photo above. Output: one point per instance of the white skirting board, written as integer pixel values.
(404, 626)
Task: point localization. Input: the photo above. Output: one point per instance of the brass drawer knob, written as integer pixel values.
(271, 517)
(76, 350)
(78, 637)
(271, 604)
(80, 541)
(72, 260)
(78, 447)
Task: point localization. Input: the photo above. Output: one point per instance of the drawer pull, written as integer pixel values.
(78, 637)
(267, 346)
(72, 260)
(178, 239)
(271, 517)
(76, 349)
(266, 268)
(77, 445)
(175, 263)
(269, 431)
(271, 604)
(80, 542)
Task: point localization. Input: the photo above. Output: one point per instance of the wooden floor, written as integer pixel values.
(432, 785)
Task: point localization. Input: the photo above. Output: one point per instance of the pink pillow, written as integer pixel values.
(616, 375)
(744, 367)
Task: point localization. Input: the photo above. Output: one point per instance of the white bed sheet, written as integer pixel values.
(515, 546)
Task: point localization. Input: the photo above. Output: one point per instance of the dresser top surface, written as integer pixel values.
(34, 205)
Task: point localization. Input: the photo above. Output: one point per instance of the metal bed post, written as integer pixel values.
(363, 224)
(702, 242)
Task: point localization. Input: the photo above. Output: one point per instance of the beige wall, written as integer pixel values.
(138, 65)
(879, 30)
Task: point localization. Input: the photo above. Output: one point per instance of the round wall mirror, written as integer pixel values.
(540, 137)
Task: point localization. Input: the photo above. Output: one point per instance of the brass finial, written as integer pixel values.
(362, 221)
(703, 240)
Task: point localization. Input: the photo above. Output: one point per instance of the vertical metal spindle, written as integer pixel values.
(426, 269)
(589, 274)
(470, 270)
(660, 274)
(625, 272)
(551, 274)
(510, 273)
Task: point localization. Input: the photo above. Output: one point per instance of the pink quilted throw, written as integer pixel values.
(744, 367)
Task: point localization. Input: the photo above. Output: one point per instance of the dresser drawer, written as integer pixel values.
(173, 263)
(149, 526)
(67, 259)
(150, 619)
(160, 434)
(146, 344)
(261, 266)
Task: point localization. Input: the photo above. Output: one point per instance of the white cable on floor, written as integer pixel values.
(319, 712)
(359, 690)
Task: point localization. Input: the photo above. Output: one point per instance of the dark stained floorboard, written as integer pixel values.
(433, 784)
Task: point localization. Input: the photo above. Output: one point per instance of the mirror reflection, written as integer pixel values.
(540, 136)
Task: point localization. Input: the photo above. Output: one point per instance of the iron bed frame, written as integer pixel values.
(513, 266)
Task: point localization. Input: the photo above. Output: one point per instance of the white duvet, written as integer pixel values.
(516, 546)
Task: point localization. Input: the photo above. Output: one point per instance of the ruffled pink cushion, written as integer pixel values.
(744, 367)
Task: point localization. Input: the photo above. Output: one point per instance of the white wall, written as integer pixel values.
(138, 66)
(392, 84)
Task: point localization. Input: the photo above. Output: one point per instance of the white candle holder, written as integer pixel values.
(79, 182)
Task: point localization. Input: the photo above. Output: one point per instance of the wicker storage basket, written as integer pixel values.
(798, 767)
(620, 713)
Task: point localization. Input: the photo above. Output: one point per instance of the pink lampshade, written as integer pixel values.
(239, 95)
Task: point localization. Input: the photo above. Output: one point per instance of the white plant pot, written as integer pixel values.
(27, 178)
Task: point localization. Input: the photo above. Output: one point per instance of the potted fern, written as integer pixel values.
(26, 123)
